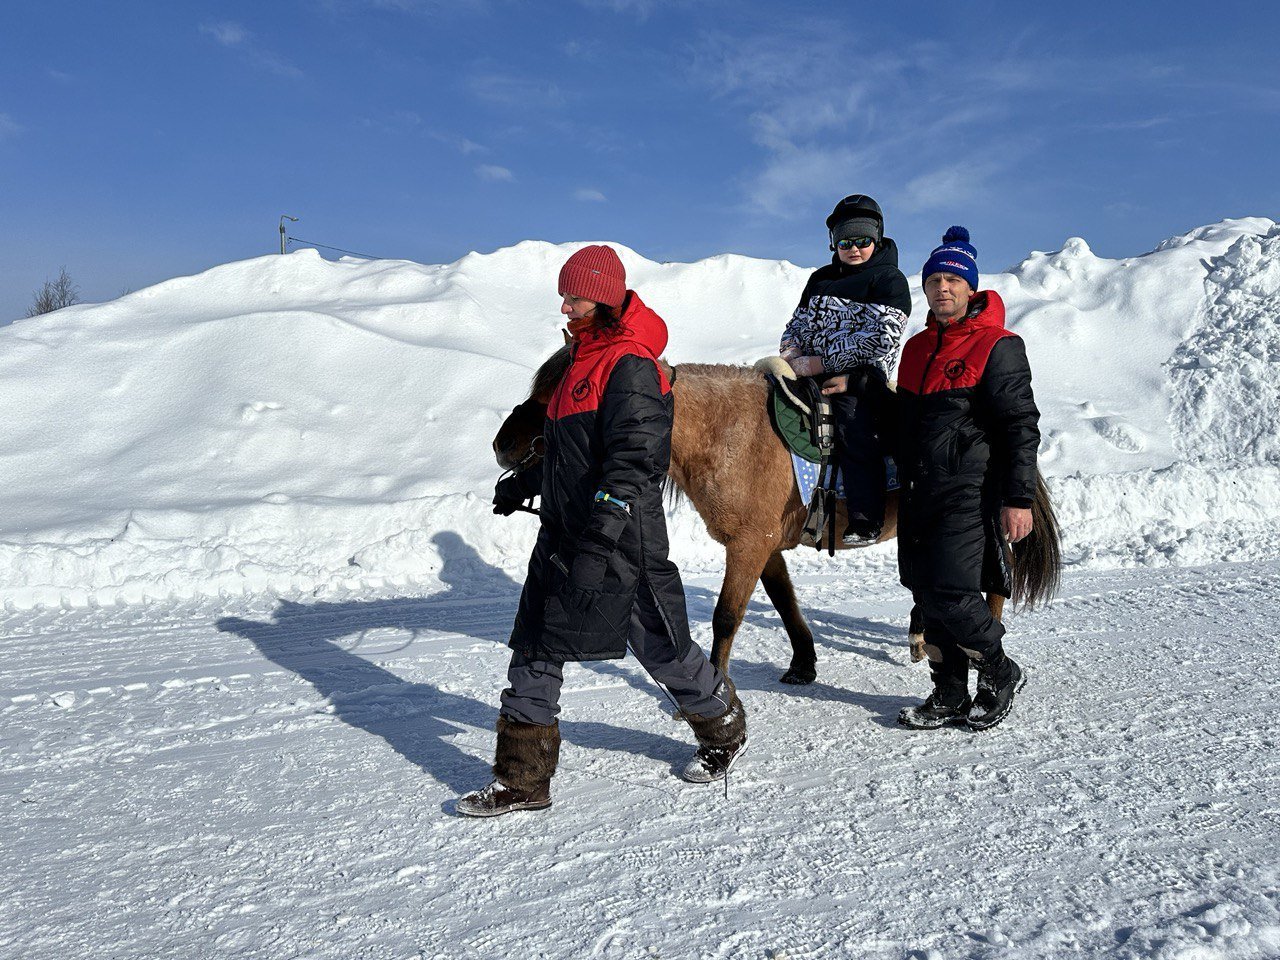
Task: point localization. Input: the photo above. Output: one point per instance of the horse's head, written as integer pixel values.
(519, 442)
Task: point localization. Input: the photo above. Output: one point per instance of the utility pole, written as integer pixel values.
(283, 218)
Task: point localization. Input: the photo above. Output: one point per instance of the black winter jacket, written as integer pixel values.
(608, 429)
(852, 316)
(967, 442)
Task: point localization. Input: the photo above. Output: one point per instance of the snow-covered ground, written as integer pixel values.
(275, 779)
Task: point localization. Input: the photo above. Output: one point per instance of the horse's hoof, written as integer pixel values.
(798, 676)
(917, 647)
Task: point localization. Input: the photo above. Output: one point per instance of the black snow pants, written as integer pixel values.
(860, 455)
(958, 629)
(534, 692)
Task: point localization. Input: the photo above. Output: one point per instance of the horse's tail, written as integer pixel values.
(1037, 560)
(671, 491)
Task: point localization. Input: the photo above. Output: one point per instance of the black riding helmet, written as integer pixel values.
(857, 215)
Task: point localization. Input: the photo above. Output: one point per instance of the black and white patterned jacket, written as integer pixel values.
(852, 316)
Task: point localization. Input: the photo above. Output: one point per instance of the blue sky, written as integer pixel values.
(142, 140)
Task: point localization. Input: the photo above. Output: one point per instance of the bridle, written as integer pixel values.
(537, 450)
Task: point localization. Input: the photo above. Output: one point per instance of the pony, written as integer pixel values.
(727, 460)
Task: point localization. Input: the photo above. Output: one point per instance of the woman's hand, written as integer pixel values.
(508, 496)
(806, 366)
(586, 579)
(836, 384)
(1016, 523)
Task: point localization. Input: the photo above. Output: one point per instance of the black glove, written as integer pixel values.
(586, 579)
(508, 495)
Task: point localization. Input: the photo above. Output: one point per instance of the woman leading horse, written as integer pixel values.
(599, 579)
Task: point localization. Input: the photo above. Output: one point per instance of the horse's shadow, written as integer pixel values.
(866, 638)
(418, 720)
(758, 675)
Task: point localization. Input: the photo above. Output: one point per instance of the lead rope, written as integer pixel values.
(679, 715)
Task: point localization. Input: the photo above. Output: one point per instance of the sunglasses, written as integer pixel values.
(860, 242)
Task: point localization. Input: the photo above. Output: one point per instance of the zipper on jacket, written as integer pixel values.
(933, 356)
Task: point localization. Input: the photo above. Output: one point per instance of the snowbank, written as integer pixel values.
(1225, 376)
(296, 425)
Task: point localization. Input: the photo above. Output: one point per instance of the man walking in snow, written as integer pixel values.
(969, 438)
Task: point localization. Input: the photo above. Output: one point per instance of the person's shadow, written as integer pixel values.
(318, 642)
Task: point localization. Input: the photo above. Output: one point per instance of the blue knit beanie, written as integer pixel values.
(956, 255)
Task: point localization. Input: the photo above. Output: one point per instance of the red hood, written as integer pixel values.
(986, 309)
(640, 327)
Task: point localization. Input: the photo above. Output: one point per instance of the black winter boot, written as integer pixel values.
(861, 531)
(949, 702)
(524, 762)
(721, 740)
(999, 680)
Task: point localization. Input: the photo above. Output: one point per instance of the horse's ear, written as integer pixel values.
(567, 338)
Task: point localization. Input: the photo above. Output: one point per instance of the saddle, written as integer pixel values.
(800, 414)
(802, 417)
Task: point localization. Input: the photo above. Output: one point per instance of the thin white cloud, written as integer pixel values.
(637, 8)
(60, 75)
(433, 8)
(1121, 126)
(235, 36)
(954, 185)
(494, 173)
(395, 122)
(462, 144)
(226, 32)
(792, 181)
(276, 64)
(8, 127)
(512, 91)
(589, 195)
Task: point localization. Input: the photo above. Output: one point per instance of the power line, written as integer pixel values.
(312, 243)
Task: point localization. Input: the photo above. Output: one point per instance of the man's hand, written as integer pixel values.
(1016, 523)
(836, 384)
(806, 366)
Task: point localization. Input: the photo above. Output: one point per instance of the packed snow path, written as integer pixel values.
(276, 780)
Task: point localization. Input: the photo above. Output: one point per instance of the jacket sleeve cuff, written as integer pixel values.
(604, 528)
(1022, 503)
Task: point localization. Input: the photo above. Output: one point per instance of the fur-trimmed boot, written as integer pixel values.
(523, 765)
(721, 739)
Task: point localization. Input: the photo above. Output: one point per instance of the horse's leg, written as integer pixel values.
(744, 562)
(995, 603)
(782, 594)
(915, 633)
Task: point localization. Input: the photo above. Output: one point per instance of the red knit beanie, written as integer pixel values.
(596, 274)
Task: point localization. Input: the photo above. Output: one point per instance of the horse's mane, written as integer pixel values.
(550, 373)
(554, 367)
(725, 372)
